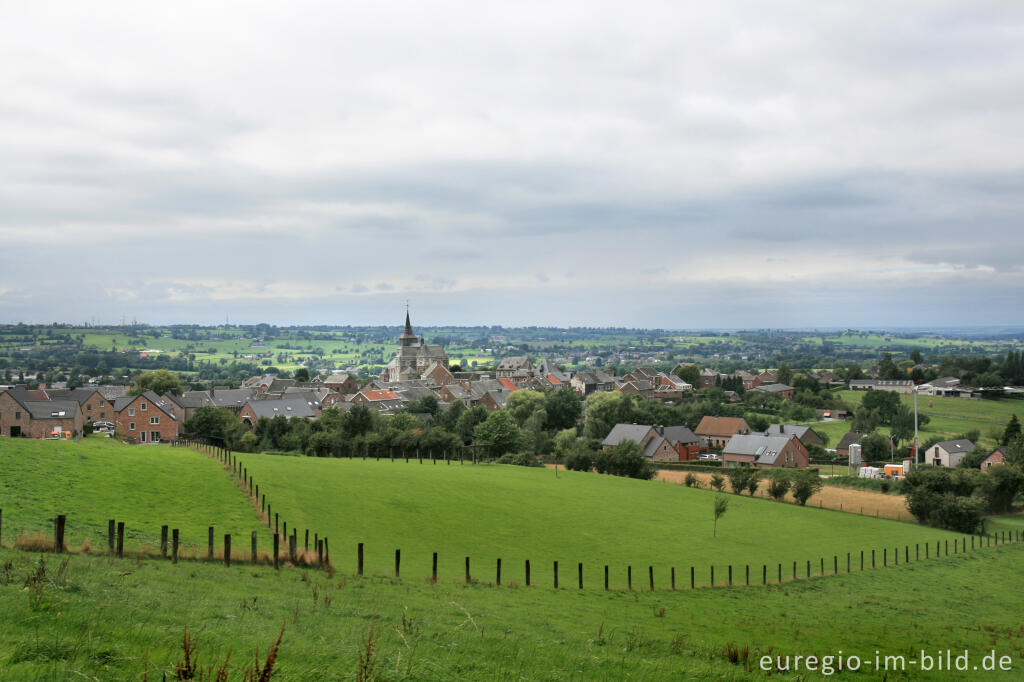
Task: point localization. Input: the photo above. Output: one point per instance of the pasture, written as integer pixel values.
(107, 619)
(98, 479)
(487, 512)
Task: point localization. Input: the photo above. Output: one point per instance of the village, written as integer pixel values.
(421, 374)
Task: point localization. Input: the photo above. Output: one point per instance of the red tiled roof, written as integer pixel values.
(507, 383)
(719, 426)
(381, 394)
(552, 379)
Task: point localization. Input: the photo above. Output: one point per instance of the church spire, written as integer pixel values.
(408, 325)
(408, 338)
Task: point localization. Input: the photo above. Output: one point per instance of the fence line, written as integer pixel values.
(815, 567)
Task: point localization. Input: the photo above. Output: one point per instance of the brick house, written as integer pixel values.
(438, 373)
(948, 453)
(95, 406)
(21, 415)
(783, 390)
(661, 444)
(342, 382)
(764, 452)
(998, 456)
(716, 431)
(146, 418)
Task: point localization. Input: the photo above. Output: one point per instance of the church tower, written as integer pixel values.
(414, 356)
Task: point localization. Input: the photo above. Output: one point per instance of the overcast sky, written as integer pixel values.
(675, 165)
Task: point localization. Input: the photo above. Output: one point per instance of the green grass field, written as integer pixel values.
(99, 479)
(108, 619)
(488, 512)
(953, 416)
(105, 618)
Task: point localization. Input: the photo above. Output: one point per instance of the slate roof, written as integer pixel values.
(52, 409)
(150, 397)
(679, 434)
(773, 388)
(959, 445)
(621, 432)
(190, 399)
(289, 407)
(763, 448)
(849, 439)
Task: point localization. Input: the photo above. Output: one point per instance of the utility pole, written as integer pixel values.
(915, 426)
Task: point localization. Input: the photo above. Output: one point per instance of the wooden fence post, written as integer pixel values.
(527, 572)
(163, 541)
(227, 550)
(764, 574)
(674, 576)
(468, 579)
(398, 563)
(730, 575)
(1, 527)
(120, 539)
(579, 569)
(292, 547)
(209, 547)
(780, 574)
(808, 568)
(253, 542)
(692, 577)
(58, 536)
(650, 576)
(319, 554)
(327, 552)
(306, 546)
(433, 575)
(835, 565)
(359, 559)
(277, 551)
(629, 577)
(110, 536)
(174, 546)
(712, 584)
(847, 562)
(748, 575)
(497, 574)
(606, 576)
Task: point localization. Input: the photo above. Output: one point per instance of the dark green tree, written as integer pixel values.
(1011, 432)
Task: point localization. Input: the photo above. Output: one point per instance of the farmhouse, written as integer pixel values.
(255, 410)
(806, 434)
(716, 431)
(762, 451)
(998, 456)
(660, 443)
(896, 386)
(843, 447)
(22, 413)
(948, 453)
(145, 418)
(783, 390)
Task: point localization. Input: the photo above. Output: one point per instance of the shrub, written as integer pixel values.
(523, 459)
(579, 461)
(717, 482)
(691, 481)
(738, 477)
(778, 485)
(805, 485)
(753, 481)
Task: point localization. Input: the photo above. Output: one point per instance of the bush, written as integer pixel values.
(717, 482)
(523, 459)
(805, 485)
(579, 461)
(958, 513)
(778, 485)
(691, 481)
(738, 477)
(625, 459)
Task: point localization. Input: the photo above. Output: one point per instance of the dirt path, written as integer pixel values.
(864, 502)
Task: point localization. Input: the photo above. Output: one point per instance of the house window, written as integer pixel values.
(142, 436)
(154, 420)
(101, 404)
(142, 406)
(88, 408)
(154, 436)
(17, 415)
(103, 415)
(131, 411)
(131, 426)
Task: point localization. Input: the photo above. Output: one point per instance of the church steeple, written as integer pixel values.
(408, 338)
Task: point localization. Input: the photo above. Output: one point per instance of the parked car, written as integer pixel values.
(103, 426)
(710, 457)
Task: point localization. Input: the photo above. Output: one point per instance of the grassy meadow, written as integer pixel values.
(102, 618)
(491, 511)
(98, 479)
